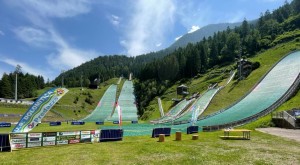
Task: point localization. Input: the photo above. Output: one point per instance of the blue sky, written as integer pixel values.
(48, 36)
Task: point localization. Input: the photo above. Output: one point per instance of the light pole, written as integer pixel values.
(62, 78)
(81, 81)
(18, 70)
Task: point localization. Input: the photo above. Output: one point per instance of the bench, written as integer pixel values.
(244, 136)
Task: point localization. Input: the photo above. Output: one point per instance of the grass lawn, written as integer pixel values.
(209, 149)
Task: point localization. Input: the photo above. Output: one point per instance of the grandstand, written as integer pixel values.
(127, 103)
(105, 106)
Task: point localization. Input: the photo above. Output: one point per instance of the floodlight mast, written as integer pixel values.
(18, 70)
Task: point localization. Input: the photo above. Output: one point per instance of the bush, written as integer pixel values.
(76, 100)
(255, 65)
(89, 100)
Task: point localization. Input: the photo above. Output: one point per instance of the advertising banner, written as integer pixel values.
(55, 123)
(68, 133)
(34, 134)
(39, 109)
(17, 141)
(34, 144)
(18, 135)
(73, 141)
(47, 134)
(85, 132)
(18, 145)
(49, 143)
(77, 123)
(62, 142)
(48, 139)
(5, 124)
(35, 139)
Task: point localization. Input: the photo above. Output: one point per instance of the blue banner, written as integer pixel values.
(5, 124)
(39, 109)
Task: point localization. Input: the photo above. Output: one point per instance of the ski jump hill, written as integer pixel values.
(279, 84)
(105, 110)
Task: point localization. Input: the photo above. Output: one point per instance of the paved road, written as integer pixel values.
(287, 133)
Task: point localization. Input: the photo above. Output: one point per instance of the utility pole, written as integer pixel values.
(240, 64)
(62, 78)
(18, 70)
(81, 81)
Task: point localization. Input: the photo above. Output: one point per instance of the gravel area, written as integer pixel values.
(282, 132)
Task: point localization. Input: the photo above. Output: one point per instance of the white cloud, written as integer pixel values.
(149, 23)
(190, 13)
(67, 58)
(158, 44)
(193, 29)
(64, 56)
(1, 33)
(56, 8)
(33, 36)
(238, 16)
(67, 52)
(115, 20)
(177, 38)
(64, 52)
(26, 68)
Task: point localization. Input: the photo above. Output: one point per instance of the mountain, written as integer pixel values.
(198, 35)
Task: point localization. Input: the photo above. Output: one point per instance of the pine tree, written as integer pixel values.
(6, 90)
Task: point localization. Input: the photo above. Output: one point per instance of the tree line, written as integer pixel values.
(27, 85)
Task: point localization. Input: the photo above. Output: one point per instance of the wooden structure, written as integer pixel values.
(244, 134)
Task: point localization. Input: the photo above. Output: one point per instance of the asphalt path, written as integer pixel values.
(282, 132)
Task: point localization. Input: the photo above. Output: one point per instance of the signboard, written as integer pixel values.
(18, 145)
(25, 140)
(34, 134)
(34, 144)
(18, 140)
(47, 134)
(5, 124)
(62, 142)
(77, 123)
(49, 139)
(56, 123)
(39, 109)
(18, 135)
(49, 143)
(99, 122)
(85, 132)
(68, 133)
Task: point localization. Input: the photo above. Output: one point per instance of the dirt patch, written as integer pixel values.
(282, 132)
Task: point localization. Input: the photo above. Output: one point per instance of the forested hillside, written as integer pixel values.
(222, 48)
(197, 35)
